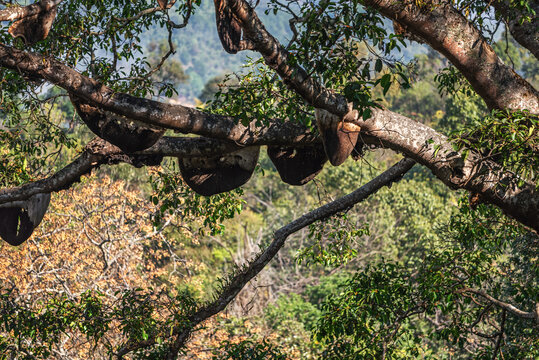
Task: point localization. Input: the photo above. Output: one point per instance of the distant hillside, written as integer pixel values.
(200, 51)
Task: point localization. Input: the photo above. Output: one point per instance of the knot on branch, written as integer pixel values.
(110, 154)
(339, 134)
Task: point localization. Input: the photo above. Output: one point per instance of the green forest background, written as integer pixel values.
(378, 249)
(203, 58)
(333, 290)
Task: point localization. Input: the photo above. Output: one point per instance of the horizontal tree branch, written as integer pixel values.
(384, 128)
(191, 147)
(238, 282)
(177, 117)
(99, 152)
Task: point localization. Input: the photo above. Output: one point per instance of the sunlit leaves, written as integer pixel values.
(249, 350)
(259, 96)
(332, 242)
(451, 81)
(510, 138)
(384, 304)
(138, 315)
(175, 198)
(33, 131)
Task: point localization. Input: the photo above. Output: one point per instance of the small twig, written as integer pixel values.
(500, 337)
(506, 306)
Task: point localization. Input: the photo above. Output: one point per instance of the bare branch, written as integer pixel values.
(473, 173)
(191, 147)
(236, 284)
(140, 14)
(500, 336)
(177, 117)
(506, 306)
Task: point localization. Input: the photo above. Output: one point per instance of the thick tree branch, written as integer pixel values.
(450, 33)
(474, 173)
(236, 284)
(402, 134)
(190, 147)
(384, 128)
(181, 118)
(99, 152)
(443, 28)
(19, 12)
(526, 33)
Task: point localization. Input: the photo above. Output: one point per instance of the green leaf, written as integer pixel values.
(379, 65)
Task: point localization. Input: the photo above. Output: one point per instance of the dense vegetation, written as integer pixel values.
(124, 258)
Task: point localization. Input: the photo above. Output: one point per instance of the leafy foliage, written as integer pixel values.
(174, 197)
(331, 242)
(383, 308)
(99, 276)
(248, 350)
(511, 138)
(136, 315)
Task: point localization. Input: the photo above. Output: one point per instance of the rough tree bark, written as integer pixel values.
(526, 33)
(19, 12)
(451, 34)
(480, 66)
(384, 128)
(441, 26)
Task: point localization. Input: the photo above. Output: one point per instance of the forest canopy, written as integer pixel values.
(335, 197)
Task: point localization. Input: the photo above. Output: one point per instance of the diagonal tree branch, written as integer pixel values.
(506, 306)
(402, 134)
(526, 33)
(277, 58)
(473, 173)
(236, 284)
(451, 34)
